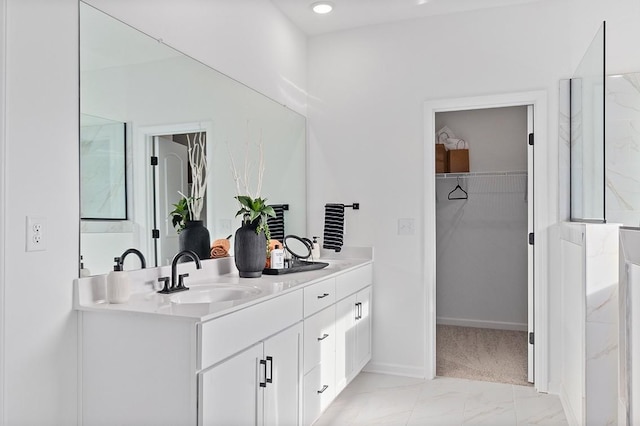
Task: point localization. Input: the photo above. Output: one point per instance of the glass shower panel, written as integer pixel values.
(587, 134)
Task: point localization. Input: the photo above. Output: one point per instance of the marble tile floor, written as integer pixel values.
(380, 399)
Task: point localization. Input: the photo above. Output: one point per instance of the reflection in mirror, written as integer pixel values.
(160, 94)
(103, 189)
(587, 134)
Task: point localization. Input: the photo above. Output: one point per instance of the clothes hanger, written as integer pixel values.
(461, 197)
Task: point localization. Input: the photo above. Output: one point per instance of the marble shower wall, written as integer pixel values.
(590, 268)
(622, 149)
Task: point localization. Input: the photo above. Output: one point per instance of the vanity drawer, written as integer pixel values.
(319, 338)
(227, 335)
(352, 281)
(318, 296)
(318, 393)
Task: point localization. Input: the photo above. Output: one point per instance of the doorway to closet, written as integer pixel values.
(482, 247)
(529, 181)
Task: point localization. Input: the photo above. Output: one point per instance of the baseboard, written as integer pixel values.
(498, 325)
(395, 369)
(568, 411)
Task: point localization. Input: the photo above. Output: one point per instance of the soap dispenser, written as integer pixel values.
(84, 272)
(118, 285)
(315, 249)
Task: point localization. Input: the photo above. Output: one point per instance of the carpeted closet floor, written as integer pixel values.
(482, 354)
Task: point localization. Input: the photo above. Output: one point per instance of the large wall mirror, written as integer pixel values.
(159, 95)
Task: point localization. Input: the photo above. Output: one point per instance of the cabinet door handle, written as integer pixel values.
(358, 311)
(324, 388)
(263, 363)
(323, 296)
(324, 336)
(269, 378)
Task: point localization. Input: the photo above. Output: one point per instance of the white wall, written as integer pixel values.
(367, 88)
(40, 168)
(41, 113)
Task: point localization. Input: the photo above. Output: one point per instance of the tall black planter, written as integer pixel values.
(195, 237)
(250, 250)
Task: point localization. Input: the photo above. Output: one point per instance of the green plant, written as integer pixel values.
(256, 210)
(180, 214)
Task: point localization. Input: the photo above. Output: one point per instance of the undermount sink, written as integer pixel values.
(214, 293)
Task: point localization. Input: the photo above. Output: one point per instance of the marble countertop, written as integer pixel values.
(89, 293)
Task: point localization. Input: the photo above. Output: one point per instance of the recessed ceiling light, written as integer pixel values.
(322, 7)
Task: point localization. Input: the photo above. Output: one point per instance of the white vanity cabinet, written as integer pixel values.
(259, 386)
(337, 339)
(278, 360)
(353, 336)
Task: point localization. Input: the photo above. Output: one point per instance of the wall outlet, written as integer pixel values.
(36, 233)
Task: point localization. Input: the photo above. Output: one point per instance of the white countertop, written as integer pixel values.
(89, 292)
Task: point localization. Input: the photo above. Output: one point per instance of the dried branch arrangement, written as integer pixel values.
(199, 172)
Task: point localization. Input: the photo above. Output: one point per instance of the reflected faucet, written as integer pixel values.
(120, 260)
(179, 285)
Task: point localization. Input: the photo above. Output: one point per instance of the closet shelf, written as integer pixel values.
(482, 174)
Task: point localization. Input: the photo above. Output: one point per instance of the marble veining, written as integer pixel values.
(377, 399)
(622, 149)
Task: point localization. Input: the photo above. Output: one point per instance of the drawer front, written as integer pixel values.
(352, 281)
(318, 391)
(319, 338)
(318, 296)
(227, 335)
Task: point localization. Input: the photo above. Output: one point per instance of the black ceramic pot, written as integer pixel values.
(195, 237)
(250, 250)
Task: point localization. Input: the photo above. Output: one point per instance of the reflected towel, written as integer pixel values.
(220, 248)
(333, 227)
(276, 224)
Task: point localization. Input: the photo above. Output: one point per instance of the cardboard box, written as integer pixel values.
(458, 160)
(442, 161)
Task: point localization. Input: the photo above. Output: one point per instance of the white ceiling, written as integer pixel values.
(358, 13)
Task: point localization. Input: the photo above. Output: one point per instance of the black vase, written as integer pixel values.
(250, 250)
(195, 237)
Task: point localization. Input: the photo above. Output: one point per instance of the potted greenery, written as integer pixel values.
(252, 238)
(180, 214)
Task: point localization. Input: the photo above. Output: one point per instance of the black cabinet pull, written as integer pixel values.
(358, 311)
(324, 388)
(264, 364)
(269, 378)
(324, 336)
(323, 296)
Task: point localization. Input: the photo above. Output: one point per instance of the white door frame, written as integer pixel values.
(541, 175)
(142, 150)
(3, 180)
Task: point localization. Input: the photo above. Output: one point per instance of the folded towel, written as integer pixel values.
(220, 248)
(333, 227)
(276, 224)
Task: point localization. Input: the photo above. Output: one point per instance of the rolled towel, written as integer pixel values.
(217, 252)
(220, 248)
(443, 134)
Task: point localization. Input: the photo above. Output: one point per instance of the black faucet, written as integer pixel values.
(179, 286)
(120, 260)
